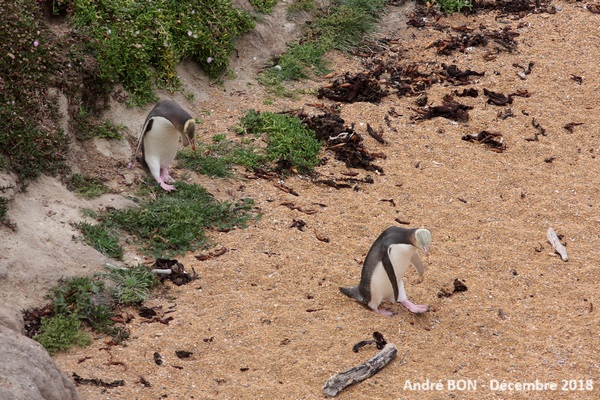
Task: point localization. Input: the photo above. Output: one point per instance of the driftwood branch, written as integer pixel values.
(338, 382)
(558, 246)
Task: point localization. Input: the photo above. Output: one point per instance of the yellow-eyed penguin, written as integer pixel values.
(159, 139)
(385, 265)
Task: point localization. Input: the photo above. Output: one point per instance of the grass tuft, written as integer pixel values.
(343, 26)
(101, 239)
(218, 158)
(3, 207)
(346, 24)
(133, 285)
(264, 6)
(87, 186)
(289, 142)
(169, 224)
(454, 6)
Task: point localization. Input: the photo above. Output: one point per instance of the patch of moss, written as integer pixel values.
(61, 332)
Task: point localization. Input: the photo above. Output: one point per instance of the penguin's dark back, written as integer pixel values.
(172, 111)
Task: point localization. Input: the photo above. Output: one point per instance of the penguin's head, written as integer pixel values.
(189, 130)
(423, 237)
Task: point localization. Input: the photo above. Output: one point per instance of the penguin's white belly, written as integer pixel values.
(381, 287)
(400, 256)
(161, 142)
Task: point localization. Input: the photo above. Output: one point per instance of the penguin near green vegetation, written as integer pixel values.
(159, 139)
(385, 265)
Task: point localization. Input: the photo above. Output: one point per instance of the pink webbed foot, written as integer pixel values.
(415, 308)
(164, 174)
(167, 187)
(385, 313)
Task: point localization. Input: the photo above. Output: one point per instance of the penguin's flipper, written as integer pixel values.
(417, 261)
(389, 269)
(352, 292)
(140, 143)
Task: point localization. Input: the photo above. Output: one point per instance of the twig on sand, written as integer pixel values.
(338, 382)
(558, 246)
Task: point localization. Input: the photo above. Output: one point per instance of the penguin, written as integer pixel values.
(159, 139)
(385, 265)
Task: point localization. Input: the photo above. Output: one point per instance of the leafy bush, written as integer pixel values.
(301, 5)
(136, 43)
(30, 135)
(78, 296)
(87, 126)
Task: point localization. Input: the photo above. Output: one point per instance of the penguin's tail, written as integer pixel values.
(352, 292)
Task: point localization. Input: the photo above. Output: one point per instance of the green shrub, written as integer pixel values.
(138, 42)
(87, 126)
(78, 296)
(30, 135)
(301, 5)
(299, 62)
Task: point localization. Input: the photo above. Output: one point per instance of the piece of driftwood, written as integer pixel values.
(558, 246)
(338, 382)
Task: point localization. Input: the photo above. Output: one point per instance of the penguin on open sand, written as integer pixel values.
(159, 139)
(386, 264)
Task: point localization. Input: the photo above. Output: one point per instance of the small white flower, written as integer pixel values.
(278, 67)
(189, 33)
(108, 31)
(209, 60)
